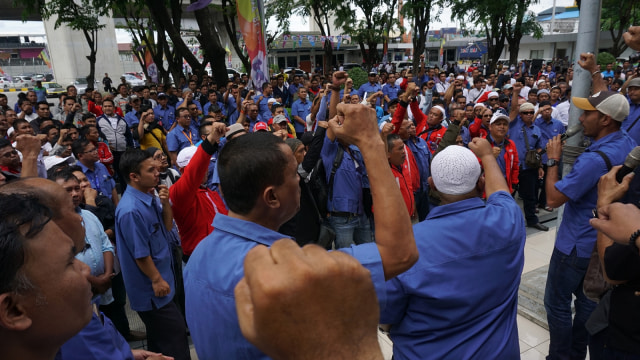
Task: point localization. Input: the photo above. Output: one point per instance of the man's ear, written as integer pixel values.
(431, 183)
(13, 315)
(480, 184)
(270, 197)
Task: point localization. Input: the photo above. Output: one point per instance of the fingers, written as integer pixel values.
(245, 309)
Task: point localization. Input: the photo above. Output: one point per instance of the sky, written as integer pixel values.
(297, 23)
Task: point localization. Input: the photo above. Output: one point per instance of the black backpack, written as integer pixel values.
(321, 191)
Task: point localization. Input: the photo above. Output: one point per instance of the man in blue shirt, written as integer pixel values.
(165, 112)
(437, 307)
(390, 91)
(370, 87)
(549, 128)
(213, 100)
(183, 135)
(604, 112)
(632, 123)
(263, 100)
(143, 222)
(299, 111)
(527, 137)
(87, 155)
(261, 186)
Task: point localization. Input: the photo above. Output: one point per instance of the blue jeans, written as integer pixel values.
(568, 339)
(351, 230)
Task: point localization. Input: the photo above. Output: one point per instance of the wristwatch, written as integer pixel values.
(552, 162)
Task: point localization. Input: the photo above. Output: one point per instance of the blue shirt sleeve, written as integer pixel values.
(172, 142)
(577, 183)
(137, 231)
(322, 111)
(369, 256)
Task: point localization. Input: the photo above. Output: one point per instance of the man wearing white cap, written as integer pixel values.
(465, 242)
(430, 127)
(604, 112)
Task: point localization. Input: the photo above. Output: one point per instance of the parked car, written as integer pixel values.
(82, 85)
(53, 89)
(232, 72)
(132, 80)
(295, 71)
(23, 81)
(5, 83)
(39, 77)
(48, 77)
(400, 65)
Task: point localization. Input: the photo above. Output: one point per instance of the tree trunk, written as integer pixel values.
(327, 62)
(93, 45)
(209, 40)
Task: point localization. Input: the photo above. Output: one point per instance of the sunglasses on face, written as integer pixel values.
(527, 113)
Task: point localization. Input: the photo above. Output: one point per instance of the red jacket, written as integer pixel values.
(432, 136)
(405, 189)
(477, 130)
(410, 170)
(194, 207)
(512, 163)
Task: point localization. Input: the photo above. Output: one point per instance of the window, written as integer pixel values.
(536, 54)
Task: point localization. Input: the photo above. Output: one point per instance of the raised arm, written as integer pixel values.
(588, 62)
(493, 178)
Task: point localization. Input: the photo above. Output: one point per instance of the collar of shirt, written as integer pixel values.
(246, 229)
(606, 139)
(139, 195)
(456, 207)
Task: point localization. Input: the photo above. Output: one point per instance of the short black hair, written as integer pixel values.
(22, 217)
(204, 124)
(247, 165)
(4, 143)
(88, 115)
(265, 85)
(78, 147)
(17, 122)
(42, 103)
(130, 162)
(390, 139)
(109, 100)
(393, 102)
(63, 173)
(543, 103)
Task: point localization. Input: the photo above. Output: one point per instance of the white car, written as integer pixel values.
(132, 80)
(23, 81)
(5, 83)
(232, 72)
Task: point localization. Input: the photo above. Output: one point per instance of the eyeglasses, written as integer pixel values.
(487, 116)
(160, 156)
(493, 99)
(95, 149)
(504, 100)
(527, 113)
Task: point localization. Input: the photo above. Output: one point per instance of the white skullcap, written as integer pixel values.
(460, 77)
(441, 110)
(493, 94)
(455, 170)
(478, 105)
(185, 155)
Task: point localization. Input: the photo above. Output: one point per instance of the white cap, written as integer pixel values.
(455, 170)
(441, 109)
(493, 94)
(271, 101)
(460, 77)
(185, 155)
(497, 116)
(51, 161)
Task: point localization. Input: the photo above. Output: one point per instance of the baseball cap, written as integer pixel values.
(455, 170)
(372, 73)
(607, 102)
(507, 86)
(233, 130)
(185, 155)
(162, 95)
(260, 126)
(498, 116)
(279, 118)
(635, 82)
(52, 161)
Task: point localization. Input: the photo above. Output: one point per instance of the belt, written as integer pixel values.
(344, 214)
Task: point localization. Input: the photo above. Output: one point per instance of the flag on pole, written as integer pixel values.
(250, 19)
(5, 75)
(441, 56)
(152, 69)
(44, 55)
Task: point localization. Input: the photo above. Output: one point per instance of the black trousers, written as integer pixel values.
(115, 311)
(527, 190)
(166, 331)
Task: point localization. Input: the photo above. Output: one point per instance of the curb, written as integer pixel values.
(13, 90)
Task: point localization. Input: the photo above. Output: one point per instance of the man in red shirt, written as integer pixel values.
(397, 157)
(194, 205)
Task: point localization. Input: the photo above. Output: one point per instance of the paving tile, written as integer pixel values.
(530, 333)
(543, 348)
(532, 354)
(523, 346)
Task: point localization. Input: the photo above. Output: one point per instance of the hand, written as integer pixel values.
(281, 134)
(148, 355)
(28, 145)
(480, 147)
(323, 124)
(102, 283)
(90, 195)
(496, 151)
(355, 124)
(163, 194)
(554, 148)
(217, 131)
(618, 221)
(286, 283)
(77, 107)
(339, 78)
(251, 93)
(517, 87)
(387, 129)
(609, 190)
(160, 287)
(632, 37)
(588, 62)
(63, 133)
(540, 173)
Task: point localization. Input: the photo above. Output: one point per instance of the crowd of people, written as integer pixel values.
(181, 200)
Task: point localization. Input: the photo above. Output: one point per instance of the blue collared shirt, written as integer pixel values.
(215, 268)
(93, 256)
(391, 91)
(502, 164)
(180, 138)
(301, 109)
(369, 89)
(634, 114)
(97, 340)
(437, 307)
(348, 180)
(548, 130)
(232, 111)
(219, 104)
(99, 178)
(133, 120)
(140, 232)
(581, 187)
(167, 116)
(263, 106)
(516, 133)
